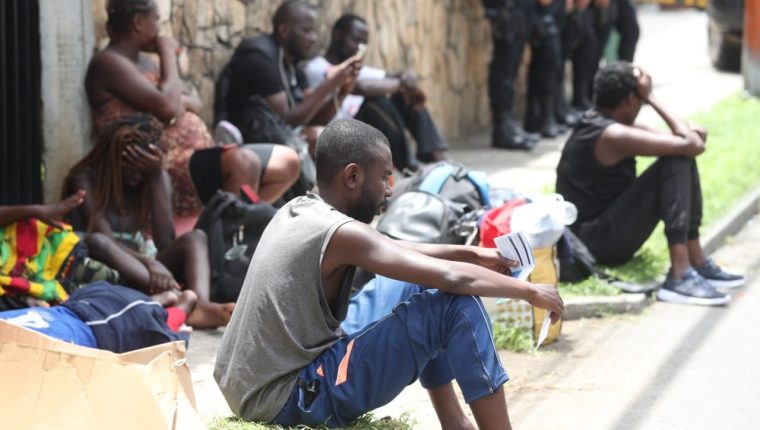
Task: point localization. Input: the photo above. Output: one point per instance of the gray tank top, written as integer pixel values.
(282, 320)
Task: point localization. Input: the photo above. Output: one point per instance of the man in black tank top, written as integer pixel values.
(618, 211)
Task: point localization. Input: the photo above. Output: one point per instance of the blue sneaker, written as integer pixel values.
(717, 277)
(691, 289)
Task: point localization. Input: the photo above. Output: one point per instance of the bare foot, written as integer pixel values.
(167, 298)
(187, 301)
(210, 315)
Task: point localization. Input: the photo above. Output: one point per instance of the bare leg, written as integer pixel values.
(132, 271)
(491, 411)
(679, 259)
(696, 254)
(448, 409)
(240, 167)
(280, 174)
(188, 256)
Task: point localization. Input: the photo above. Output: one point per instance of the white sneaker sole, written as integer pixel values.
(736, 283)
(673, 297)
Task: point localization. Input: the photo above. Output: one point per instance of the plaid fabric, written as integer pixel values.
(35, 257)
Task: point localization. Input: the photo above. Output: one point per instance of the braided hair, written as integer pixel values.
(121, 13)
(106, 159)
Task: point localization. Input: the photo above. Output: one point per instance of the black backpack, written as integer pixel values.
(451, 181)
(234, 228)
(422, 217)
(441, 203)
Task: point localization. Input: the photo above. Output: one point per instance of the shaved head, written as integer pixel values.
(288, 12)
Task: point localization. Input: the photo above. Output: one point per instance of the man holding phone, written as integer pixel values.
(389, 102)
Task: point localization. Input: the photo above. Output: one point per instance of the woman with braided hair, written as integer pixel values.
(128, 194)
(121, 80)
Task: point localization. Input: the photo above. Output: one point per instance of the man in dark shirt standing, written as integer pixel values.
(618, 211)
(267, 66)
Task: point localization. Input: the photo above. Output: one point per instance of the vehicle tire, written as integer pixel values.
(724, 55)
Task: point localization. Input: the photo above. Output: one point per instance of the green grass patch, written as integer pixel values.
(511, 337)
(593, 286)
(365, 422)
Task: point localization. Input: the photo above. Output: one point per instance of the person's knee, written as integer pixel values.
(287, 161)
(97, 243)
(240, 160)
(194, 239)
(677, 164)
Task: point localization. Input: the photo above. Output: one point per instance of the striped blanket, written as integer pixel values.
(35, 257)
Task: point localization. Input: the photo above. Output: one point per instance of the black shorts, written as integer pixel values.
(206, 167)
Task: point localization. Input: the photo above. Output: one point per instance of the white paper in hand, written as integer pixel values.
(515, 246)
(544, 329)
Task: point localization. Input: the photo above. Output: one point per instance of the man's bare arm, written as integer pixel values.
(377, 87)
(484, 257)
(619, 141)
(360, 245)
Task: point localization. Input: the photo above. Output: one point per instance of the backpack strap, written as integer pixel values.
(434, 180)
(479, 181)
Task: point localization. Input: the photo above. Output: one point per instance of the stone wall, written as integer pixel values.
(447, 42)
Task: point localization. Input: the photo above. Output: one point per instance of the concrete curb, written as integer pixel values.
(599, 306)
(728, 225)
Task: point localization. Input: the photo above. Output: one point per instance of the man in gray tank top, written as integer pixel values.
(284, 357)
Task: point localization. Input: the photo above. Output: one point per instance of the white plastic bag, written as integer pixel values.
(543, 220)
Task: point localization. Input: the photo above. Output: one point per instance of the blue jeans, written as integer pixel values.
(397, 332)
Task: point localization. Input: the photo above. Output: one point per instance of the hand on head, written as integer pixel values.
(645, 83)
(149, 161)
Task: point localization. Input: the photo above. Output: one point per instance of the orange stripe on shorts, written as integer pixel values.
(343, 368)
(320, 371)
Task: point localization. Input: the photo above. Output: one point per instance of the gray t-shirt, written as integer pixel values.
(282, 320)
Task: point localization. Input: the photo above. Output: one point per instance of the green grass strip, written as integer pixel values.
(365, 422)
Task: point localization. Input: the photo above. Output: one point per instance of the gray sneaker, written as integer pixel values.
(717, 277)
(691, 289)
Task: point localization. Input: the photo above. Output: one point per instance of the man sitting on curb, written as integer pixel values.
(618, 211)
(284, 358)
(388, 102)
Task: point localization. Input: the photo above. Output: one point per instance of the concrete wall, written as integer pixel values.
(67, 39)
(447, 42)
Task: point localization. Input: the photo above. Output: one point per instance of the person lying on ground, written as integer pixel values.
(110, 317)
(617, 211)
(42, 259)
(389, 102)
(284, 359)
(121, 80)
(128, 193)
(267, 66)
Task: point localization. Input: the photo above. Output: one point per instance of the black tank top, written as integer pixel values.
(581, 179)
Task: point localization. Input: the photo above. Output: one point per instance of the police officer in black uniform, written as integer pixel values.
(545, 64)
(510, 28)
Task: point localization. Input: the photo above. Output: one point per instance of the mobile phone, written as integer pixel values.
(362, 49)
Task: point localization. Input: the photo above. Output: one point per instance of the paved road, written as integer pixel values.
(673, 367)
(673, 48)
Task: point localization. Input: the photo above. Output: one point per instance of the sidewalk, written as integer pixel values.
(673, 48)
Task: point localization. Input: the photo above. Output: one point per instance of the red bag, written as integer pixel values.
(496, 222)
